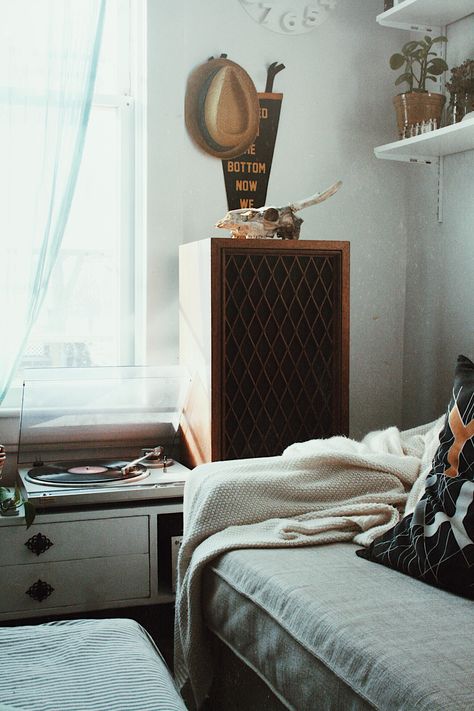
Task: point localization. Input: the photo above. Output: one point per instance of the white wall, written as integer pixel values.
(440, 274)
(336, 107)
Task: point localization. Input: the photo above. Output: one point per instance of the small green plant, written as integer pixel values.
(11, 499)
(419, 63)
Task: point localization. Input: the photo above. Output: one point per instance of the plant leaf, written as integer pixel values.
(17, 498)
(30, 513)
(409, 47)
(5, 504)
(437, 66)
(403, 77)
(440, 38)
(396, 61)
(7, 499)
(5, 493)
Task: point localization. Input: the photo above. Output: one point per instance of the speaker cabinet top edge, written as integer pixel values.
(218, 244)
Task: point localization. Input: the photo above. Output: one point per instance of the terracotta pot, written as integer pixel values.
(417, 106)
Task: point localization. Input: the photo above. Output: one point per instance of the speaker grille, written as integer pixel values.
(282, 350)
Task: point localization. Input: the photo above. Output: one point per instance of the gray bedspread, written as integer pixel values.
(328, 630)
(84, 665)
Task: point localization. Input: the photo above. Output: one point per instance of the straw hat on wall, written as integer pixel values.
(221, 108)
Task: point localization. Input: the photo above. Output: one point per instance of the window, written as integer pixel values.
(89, 313)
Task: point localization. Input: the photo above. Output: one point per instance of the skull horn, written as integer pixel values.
(316, 198)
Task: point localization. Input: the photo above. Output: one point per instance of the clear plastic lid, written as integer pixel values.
(82, 413)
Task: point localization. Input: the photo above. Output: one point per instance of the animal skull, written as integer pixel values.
(268, 222)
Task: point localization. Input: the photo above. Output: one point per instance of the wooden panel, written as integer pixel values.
(277, 360)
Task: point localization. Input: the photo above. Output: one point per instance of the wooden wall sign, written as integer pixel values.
(246, 176)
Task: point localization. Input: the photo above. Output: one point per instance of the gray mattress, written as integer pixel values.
(328, 630)
(84, 665)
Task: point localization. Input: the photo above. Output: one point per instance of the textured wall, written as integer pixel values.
(440, 271)
(336, 107)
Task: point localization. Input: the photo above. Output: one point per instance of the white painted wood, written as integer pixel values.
(444, 141)
(72, 540)
(421, 14)
(113, 511)
(102, 558)
(161, 598)
(76, 582)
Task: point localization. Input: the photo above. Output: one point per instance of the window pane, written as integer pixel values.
(80, 323)
(108, 79)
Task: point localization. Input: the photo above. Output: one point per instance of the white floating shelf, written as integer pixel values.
(429, 146)
(425, 15)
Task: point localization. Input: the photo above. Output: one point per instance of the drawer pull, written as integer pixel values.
(38, 543)
(40, 590)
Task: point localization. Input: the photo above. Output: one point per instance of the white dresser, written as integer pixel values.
(74, 560)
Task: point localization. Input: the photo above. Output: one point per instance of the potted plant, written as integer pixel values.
(418, 107)
(11, 499)
(461, 90)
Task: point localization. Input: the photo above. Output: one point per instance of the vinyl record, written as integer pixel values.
(84, 474)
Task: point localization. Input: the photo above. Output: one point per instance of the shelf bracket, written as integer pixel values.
(440, 188)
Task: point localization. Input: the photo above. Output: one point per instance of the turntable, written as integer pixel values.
(89, 435)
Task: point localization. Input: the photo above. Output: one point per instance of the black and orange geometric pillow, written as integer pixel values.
(435, 543)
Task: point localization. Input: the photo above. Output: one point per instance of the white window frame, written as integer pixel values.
(130, 103)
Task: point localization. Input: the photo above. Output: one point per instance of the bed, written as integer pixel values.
(320, 629)
(84, 665)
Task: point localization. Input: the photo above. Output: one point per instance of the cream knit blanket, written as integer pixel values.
(320, 491)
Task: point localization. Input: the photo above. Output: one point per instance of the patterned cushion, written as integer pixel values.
(435, 543)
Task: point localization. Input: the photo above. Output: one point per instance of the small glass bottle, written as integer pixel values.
(460, 104)
(3, 458)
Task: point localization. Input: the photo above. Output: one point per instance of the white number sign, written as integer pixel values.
(289, 17)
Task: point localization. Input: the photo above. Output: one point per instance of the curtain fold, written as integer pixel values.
(48, 61)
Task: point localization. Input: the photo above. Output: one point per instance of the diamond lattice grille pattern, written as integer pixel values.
(281, 351)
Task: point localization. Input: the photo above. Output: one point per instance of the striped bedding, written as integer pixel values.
(84, 665)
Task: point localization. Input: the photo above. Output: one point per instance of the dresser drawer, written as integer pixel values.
(87, 583)
(68, 540)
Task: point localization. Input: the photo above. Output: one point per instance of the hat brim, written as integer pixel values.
(222, 108)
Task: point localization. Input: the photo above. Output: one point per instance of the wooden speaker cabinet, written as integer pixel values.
(264, 331)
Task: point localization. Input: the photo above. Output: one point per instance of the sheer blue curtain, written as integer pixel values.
(48, 60)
